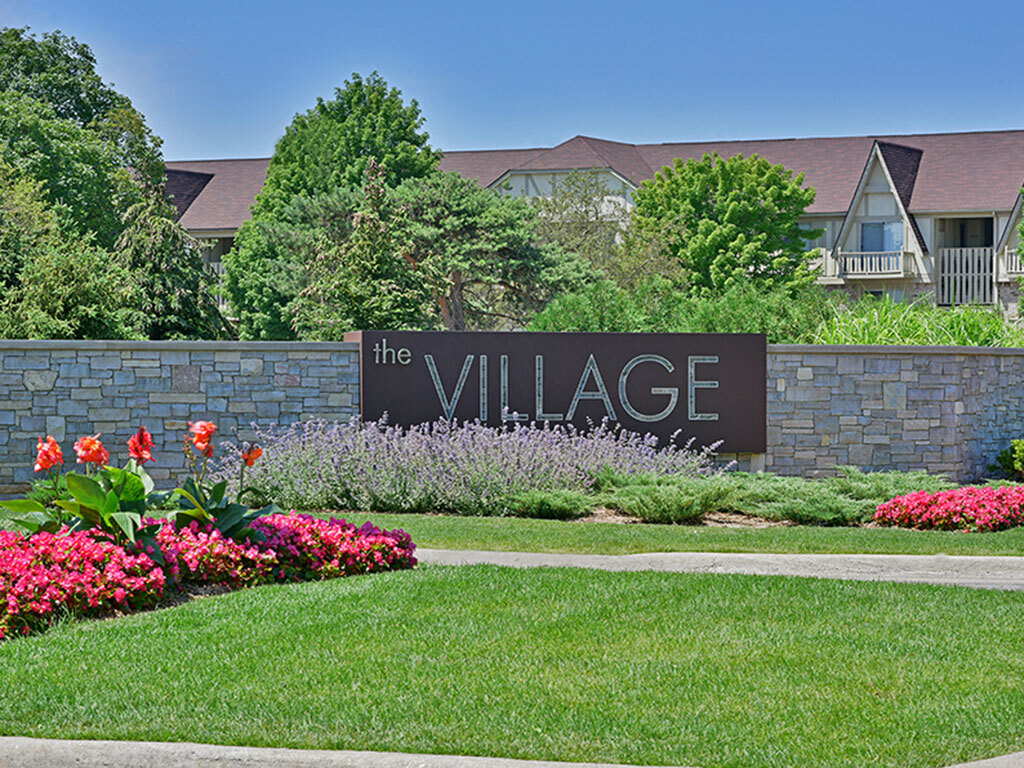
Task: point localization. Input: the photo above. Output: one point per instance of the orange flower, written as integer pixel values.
(202, 433)
(249, 456)
(91, 451)
(140, 446)
(48, 454)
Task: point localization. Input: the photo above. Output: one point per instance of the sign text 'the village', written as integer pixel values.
(707, 386)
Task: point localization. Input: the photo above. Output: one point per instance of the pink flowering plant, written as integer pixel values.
(70, 573)
(972, 508)
(98, 550)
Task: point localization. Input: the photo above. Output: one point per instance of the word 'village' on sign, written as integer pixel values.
(709, 386)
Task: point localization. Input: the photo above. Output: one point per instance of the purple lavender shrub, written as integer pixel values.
(466, 469)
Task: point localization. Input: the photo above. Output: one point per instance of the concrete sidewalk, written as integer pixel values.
(978, 572)
(54, 753)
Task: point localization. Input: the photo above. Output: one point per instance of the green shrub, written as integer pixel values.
(885, 321)
(1010, 462)
(879, 487)
(672, 499)
(552, 505)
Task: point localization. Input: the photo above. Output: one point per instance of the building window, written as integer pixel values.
(881, 236)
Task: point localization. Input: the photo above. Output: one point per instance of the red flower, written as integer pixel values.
(91, 451)
(140, 446)
(202, 433)
(48, 454)
(249, 456)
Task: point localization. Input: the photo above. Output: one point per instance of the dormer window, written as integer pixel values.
(881, 236)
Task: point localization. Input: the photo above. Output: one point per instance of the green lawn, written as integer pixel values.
(515, 534)
(563, 664)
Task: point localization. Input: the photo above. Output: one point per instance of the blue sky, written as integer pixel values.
(222, 78)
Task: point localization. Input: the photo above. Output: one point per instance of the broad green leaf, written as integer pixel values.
(231, 518)
(22, 505)
(110, 505)
(192, 500)
(86, 490)
(147, 481)
(218, 492)
(127, 522)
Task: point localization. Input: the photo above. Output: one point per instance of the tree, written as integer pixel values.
(61, 72)
(477, 252)
(584, 217)
(51, 285)
(362, 281)
(330, 146)
(174, 284)
(267, 269)
(728, 220)
(315, 178)
(80, 172)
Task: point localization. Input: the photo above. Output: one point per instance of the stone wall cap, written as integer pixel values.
(894, 349)
(24, 345)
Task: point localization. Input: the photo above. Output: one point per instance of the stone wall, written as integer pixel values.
(69, 389)
(943, 409)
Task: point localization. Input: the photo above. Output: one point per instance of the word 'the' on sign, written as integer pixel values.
(707, 386)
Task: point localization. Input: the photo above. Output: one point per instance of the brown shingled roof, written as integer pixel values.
(976, 172)
(224, 202)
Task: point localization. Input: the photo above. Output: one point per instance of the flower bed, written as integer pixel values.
(45, 576)
(971, 508)
(84, 573)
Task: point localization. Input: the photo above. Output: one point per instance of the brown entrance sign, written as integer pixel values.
(709, 386)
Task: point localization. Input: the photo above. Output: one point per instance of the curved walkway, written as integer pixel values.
(978, 572)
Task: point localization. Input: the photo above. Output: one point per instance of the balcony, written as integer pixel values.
(872, 264)
(965, 276)
(1011, 264)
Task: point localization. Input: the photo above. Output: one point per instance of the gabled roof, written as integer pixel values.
(184, 187)
(901, 176)
(1012, 223)
(942, 172)
(587, 152)
(224, 201)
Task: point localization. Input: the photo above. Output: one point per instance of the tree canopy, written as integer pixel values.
(51, 285)
(329, 146)
(478, 252)
(80, 163)
(60, 71)
(728, 220)
(314, 187)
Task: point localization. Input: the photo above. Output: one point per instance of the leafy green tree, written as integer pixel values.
(82, 176)
(363, 281)
(61, 72)
(728, 220)
(478, 253)
(267, 270)
(27, 224)
(330, 146)
(314, 179)
(582, 216)
(51, 285)
(785, 315)
(174, 284)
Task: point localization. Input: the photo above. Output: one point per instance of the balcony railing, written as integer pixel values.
(1013, 262)
(864, 264)
(965, 276)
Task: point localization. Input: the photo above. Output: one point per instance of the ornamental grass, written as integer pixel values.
(466, 469)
